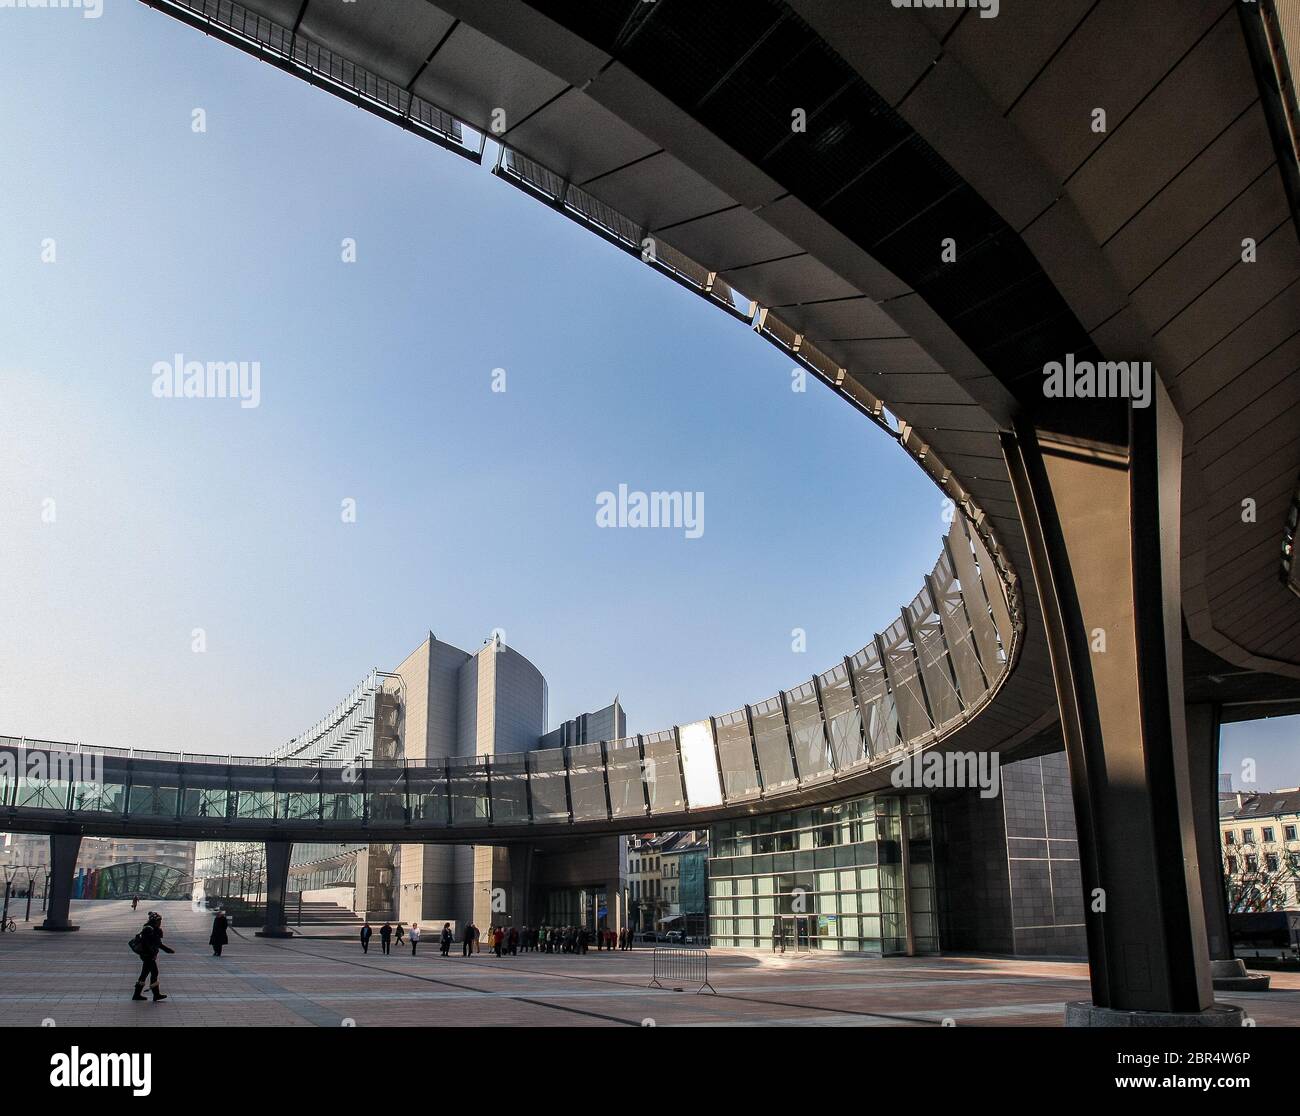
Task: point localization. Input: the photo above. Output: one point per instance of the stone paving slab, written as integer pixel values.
(86, 978)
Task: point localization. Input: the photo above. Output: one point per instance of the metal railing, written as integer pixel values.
(680, 966)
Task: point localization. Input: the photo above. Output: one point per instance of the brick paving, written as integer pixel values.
(85, 979)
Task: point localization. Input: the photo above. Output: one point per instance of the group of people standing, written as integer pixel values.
(506, 941)
(390, 935)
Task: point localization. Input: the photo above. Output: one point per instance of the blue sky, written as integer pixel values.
(475, 509)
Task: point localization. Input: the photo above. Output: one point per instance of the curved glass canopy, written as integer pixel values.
(927, 674)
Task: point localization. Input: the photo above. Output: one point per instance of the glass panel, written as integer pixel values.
(876, 703)
(587, 782)
(945, 703)
(809, 735)
(427, 789)
(297, 794)
(972, 591)
(957, 633)
(843, 722)
(154, 790)
(153, 801)
(469, 792)
(385, 795)
(993, 591)
(663, 778)
(548, 785)
(44, 779)
(623, 764)
(905, 682)
(736, 752)
(342, 799)
(254, 805)
(773, 745)
(109, 798)
(700, 765)
(205, 792)
(509, 789)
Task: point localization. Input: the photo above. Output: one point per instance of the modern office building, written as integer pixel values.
(445, 704)
(996, 874)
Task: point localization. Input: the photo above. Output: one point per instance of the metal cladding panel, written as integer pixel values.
(773, 745)
(587, 782)
(549, 785)
(736, 754)
(623, 772)
(905, 681)
(879, 712)
(391, 39)
(428, 796)
(843, 720)
(663, 775)
(700, 765)
(468, 785)
(940, 689)
(972, 591)
(478, 75)
(811, 748)
(509, 789)
(992, 588)
(957, 633)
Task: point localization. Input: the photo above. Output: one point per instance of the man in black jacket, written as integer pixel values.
(150, 943)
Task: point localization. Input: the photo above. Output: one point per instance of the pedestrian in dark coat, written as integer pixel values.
(218, 938)
(150, 942)
(365, 937)
(385, 936)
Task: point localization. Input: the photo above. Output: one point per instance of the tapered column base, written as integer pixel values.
(1231, 976)
(1083, 1014)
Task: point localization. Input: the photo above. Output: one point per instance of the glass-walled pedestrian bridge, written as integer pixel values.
(928, 674)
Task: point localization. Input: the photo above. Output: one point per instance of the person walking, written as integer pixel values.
(445, 939)
(400, 932)
(467, 939)
(385, 937)
(135, 901)
(365, 936)
(218, 938)
(146, 944)
(498, 936)
(414, 936)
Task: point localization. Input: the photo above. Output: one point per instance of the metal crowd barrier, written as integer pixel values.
(681, 966)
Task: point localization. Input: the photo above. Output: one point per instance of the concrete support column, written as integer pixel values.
(1203, 768)
(1098, 486)
(614, 904)
(64, 849)
(521, 885)
(277, 883)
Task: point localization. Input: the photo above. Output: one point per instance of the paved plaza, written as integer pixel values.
(85, 979)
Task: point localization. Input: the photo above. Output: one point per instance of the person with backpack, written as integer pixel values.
(365, 937)
(146, 945)
(219, 937)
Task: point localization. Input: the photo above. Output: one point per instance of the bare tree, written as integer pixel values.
(1261, 888)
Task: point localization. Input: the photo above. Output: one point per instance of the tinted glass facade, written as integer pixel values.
(829, 877)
